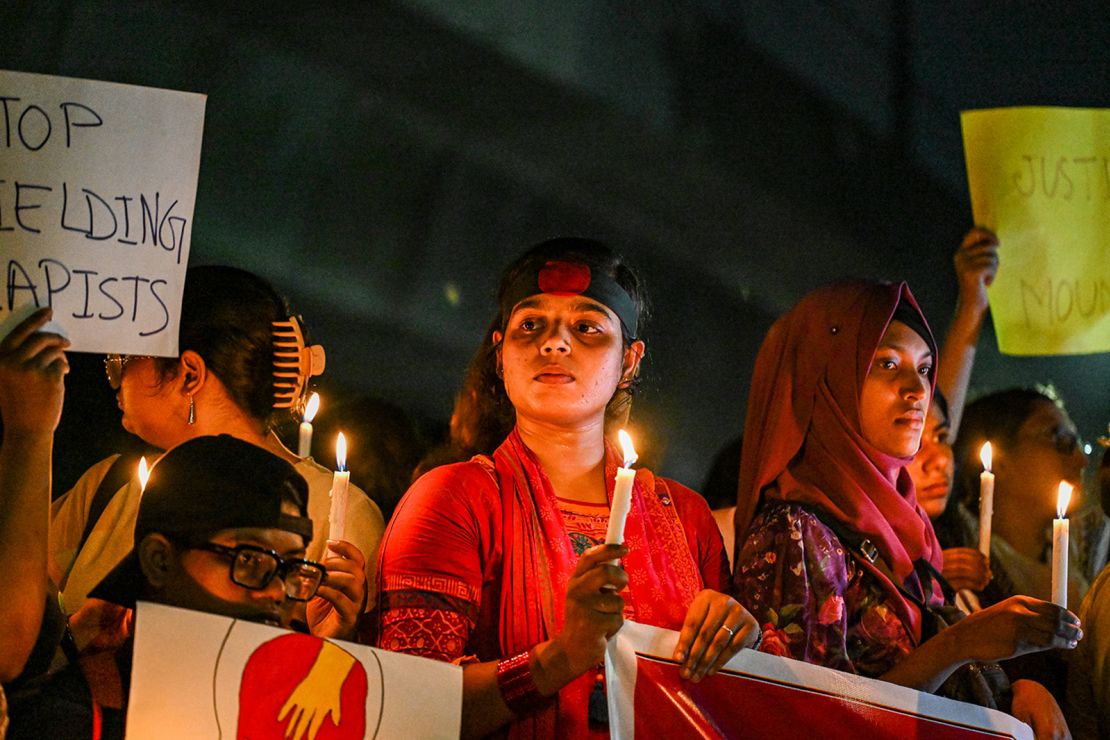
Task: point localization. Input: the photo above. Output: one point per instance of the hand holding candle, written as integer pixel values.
(304, 442)
(1060, 546)
(337, 517)
(622, 492)
(986, 501)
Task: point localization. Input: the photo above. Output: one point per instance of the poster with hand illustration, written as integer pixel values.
(201, 675)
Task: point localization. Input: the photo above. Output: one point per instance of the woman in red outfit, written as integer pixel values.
(497, 563)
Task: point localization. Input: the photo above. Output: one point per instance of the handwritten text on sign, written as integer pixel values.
(1040, 178)
(97, 187)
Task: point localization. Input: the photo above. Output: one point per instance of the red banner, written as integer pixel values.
(764, 696)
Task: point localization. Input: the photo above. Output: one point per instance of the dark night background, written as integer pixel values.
(380, 162)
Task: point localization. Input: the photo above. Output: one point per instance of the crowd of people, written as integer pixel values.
(851, 543)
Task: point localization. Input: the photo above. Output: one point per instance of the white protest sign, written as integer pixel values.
(199, 675)
(97, 186)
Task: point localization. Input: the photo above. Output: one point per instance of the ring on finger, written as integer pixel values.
(731, 632)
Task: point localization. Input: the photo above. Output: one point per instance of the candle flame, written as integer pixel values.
(311, 408)
(1063, 498)
(341, 452)
(627, 448)
(144, 474)
(985, 456)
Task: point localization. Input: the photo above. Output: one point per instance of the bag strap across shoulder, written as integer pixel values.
(862, 548)
(116, 477)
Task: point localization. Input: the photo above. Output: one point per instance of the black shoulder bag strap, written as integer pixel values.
(977, 683)
(117, 475)
(863, 548)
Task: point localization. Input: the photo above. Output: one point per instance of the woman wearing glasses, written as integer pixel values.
(1035, 446)
(223, 382)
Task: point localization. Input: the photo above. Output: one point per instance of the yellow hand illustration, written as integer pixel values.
(318, 694)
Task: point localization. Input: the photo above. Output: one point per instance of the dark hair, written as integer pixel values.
(483, 415)
(227, 317)
(719, 488)
(996, 417)
(942, 402)
(389, 447)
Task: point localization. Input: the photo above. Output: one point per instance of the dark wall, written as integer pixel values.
(381, 167)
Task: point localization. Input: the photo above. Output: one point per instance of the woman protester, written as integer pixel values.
(834, 556)
(1035, 446)
(234, 329)
(976, 264)
(495, 563)
(1089, 666)
(932, 470)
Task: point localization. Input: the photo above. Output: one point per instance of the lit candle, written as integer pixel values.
(144, 474)
(304, 446)
(337, 517)
(622, 492)
(986, 501)
(1060, 547)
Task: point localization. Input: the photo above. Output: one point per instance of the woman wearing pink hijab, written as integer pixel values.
(834, 557)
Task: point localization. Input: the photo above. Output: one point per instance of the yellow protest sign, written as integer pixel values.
(1040, 179)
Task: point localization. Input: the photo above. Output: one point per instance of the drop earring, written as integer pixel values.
(192, 412)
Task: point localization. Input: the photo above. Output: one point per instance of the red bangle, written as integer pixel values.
(518, 688)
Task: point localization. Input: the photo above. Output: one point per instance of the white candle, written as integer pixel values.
(1060, 547)
(304, 443)
(144, 474)
(986, 501)
(622, 492)
(337, 517)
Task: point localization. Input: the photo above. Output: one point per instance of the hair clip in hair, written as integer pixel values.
(294, 362)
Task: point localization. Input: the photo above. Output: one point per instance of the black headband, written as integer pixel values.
(912, 318)
(562, 277)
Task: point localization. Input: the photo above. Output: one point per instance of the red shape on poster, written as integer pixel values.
(274, 671)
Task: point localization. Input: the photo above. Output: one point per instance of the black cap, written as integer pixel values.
(201, 487)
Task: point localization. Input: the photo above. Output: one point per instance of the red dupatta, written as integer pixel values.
(802, 438)
(538, 561)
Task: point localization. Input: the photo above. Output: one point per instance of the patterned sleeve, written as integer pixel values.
(792, 574)
(432, 563)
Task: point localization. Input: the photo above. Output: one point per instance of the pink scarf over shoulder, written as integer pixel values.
(538, 561)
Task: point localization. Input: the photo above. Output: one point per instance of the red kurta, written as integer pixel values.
(477, 558)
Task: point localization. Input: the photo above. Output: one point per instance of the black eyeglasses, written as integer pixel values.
(254, 567)
(113, 367)
(1063, 439)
